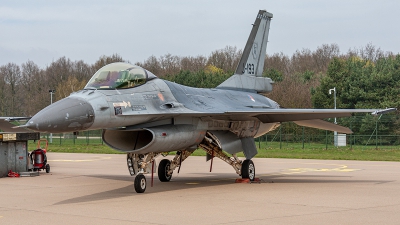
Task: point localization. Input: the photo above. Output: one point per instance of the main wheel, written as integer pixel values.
(140, 183)
(163, 168)
(248, 170)
(47, 168)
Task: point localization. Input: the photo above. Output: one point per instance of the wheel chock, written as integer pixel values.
(247, 180)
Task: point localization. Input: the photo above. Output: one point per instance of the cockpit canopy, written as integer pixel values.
(119, 76)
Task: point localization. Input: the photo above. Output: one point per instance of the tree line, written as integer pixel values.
(364, 78)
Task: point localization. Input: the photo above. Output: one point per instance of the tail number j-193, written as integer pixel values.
(249, 67)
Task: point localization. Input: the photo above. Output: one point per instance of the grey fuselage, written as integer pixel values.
(153, 104)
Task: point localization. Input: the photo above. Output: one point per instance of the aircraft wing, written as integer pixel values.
(269, 115)
(285, 115)
(302, 117)
(309, 117)
(7, 126)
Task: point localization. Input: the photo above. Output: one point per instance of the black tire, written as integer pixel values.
(248, 170)
(163, 167)
(47, 168)
(140, 183)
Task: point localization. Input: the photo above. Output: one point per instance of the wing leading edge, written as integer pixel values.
(286, 115)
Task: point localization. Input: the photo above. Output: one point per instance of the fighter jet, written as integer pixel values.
(146, 117)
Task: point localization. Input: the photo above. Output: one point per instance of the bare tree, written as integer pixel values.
(11, 74)
(30, 88)
(72, 84)
(58, 72)
(323, 55)
(278, 61)
(369, 52)
(170, 64)
(193, 63)
(3, 93)
(225, 59)
(82, 71)
(152, 64)
(105, 60)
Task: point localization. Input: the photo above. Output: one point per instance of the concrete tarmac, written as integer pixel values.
(97, 189)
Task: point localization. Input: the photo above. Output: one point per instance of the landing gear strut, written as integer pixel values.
(245, 169)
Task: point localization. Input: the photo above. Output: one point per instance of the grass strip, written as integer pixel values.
(265, 150)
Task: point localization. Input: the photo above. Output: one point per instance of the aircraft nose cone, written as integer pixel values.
(67, 115)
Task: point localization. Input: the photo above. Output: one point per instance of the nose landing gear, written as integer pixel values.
(143, 163)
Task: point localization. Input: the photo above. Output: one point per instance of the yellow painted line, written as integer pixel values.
(79, 160)
(192, 183)
(1, 217)
(338, 168)
(341, 168)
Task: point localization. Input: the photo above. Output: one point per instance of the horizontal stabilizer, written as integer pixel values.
(321, 124)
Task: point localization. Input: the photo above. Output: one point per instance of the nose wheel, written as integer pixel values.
(140, 183)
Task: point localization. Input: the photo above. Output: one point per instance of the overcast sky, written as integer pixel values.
(43, 31)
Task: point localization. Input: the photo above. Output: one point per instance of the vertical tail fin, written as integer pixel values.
(248, 75)
(252, 61)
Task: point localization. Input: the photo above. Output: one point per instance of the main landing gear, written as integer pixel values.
(245, 169)
(140, 164)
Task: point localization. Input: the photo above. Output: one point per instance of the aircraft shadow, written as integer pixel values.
(210, 180)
